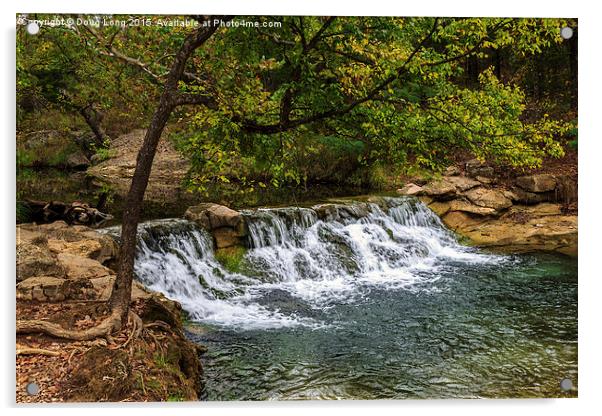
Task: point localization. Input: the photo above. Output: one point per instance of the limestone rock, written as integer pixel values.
(463, 183)
(41, 288)
(409, 189)
(78, 267)
(439, 189)
(460, 205)
(459, 221)
(440, 208)
(452, 170)
(537, 183)
(476, 168)
(79, 240)
(36, 260)
(211, 216)
(521, 196)
(170, 168)
(484, 180)
(488, 198)
(53, 289)
(227, 226)
(521, 229)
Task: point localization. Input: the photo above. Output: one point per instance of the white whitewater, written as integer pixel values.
(300, 258)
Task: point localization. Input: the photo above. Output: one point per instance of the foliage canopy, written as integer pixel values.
(280, 101)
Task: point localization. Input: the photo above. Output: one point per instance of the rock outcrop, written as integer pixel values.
(57, 262)
(60, 269)
(226, 225)
(524, 216)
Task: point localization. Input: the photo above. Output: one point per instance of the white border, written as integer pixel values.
(590, 165)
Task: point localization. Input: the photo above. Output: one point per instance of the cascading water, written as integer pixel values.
(365, 300)
(299, 257)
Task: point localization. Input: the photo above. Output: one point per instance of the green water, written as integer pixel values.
(480, 330)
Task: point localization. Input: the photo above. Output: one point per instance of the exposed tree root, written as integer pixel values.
(111, 324)
(35, 351)
(138, 326)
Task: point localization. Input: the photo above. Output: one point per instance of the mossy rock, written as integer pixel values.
(232, 258)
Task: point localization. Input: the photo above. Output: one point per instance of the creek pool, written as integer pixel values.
(479, 330)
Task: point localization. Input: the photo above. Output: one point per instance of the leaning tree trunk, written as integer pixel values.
(93, 119)
(120, 297)
(170, 98)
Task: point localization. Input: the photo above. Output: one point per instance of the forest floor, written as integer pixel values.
(144, 368)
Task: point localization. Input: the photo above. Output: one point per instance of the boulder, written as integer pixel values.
(465, 206)
(463, 183)
(35, 260)
(537, 183)
(227, 226)
(77, 161)
(211, 216)
(521, 196)
(439, 189)
(476, 168)
(409, 189)
(78, 267)
(566, 189)
(452, 170)
(488, 198)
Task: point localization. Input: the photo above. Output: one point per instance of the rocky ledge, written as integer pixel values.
(65, 275)
(527, 214)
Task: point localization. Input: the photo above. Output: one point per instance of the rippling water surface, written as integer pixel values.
(478, 331)
(366, 301)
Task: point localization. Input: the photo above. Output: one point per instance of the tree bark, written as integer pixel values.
(120, 297)
(93, 119)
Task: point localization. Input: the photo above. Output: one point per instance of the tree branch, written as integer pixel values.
(254, 127)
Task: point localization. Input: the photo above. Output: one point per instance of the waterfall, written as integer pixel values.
(298, 260)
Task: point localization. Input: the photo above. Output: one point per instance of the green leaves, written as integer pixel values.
(334, 96)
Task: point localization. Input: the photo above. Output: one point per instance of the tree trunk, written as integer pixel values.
(93, 119)
(120, 297)
(119, 301)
